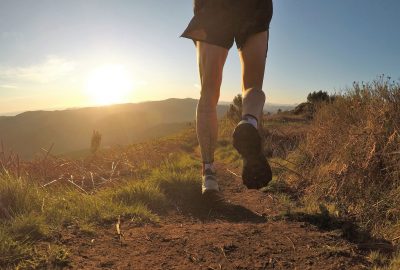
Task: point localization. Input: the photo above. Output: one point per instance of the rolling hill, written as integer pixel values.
(71, 130)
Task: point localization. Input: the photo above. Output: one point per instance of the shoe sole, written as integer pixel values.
(246, 140)
(256, 170)
(211, 197)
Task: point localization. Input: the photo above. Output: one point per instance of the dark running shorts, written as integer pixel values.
(221, 22)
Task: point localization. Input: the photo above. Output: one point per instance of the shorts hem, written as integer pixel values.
(256, 31)
(206, 41)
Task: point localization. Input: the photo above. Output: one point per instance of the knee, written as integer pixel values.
(209, 97)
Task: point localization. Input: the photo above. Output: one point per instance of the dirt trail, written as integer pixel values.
(243, 233)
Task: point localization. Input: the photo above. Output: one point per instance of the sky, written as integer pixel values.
(62, 54)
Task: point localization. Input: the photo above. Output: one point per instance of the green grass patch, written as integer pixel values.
(17, 197)
(11, 251)
(34, 215)
(178, 180)
(57, 256)
(227, 154)
(30, 227)
(72, 206)
(138, 192)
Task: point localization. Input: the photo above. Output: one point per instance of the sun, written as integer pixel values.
(109, 84)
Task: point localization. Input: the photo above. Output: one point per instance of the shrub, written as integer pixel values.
(305, 108)
(95, 142)
(234, 113)
(351, 155)
(316, 97)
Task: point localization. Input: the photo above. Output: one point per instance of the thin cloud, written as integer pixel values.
(52, 69)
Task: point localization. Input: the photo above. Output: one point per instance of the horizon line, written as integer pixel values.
(53, 109)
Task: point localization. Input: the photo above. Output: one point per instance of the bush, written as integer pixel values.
(95, 141)
(316, 97)
(305, 108)
(234, 113)
(351, 155)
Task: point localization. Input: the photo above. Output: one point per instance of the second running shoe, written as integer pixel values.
(256, 170)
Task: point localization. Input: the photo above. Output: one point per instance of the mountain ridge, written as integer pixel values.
(71, 130)
(269, 107)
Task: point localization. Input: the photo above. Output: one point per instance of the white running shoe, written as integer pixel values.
(209, 182)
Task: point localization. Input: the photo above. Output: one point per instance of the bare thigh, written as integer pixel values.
(211, 60)
(253, 58)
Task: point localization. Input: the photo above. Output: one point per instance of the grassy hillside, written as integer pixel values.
(135, 183)
(30, 215)
(338, 171)
(348, 164)
(351, 156)
(71, 130)
(343, 164)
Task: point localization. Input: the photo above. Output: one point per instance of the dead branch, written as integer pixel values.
(288, 169)
(49, 183)
(80, 188)
(231, 172)
(294, 247)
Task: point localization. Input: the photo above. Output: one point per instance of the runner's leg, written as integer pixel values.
(256, 171)
(253, 59)
(211, 60)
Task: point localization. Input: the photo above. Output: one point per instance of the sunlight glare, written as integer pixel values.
(109, 84)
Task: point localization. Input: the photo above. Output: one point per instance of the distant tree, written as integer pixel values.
(316, 97)
(279, 110)
(313, 99)
(235, 110)
(95, 141)
(306, 108)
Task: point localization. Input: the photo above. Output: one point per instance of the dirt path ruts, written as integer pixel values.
(239, 235)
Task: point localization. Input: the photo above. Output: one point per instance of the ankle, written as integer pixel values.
(251, 120)
(208, 167)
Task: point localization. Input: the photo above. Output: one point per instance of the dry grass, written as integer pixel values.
(351, 156)
(281, 133)
(38, 214)
(282, 138)
(95, 171)
(42, 197)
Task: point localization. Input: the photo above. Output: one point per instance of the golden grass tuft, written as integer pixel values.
(351, 155)
(32, 214)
